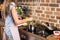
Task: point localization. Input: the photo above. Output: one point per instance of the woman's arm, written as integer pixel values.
(15, 17)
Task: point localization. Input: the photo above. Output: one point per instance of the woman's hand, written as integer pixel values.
(19, 17)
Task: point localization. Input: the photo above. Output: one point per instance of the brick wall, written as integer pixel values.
(44, 10)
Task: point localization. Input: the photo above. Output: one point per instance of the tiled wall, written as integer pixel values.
(44, 10)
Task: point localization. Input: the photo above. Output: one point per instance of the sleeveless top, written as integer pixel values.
(9, 21)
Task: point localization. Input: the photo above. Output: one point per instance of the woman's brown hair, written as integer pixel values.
(5, 7)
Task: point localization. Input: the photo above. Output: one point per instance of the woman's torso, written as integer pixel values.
(9, 20)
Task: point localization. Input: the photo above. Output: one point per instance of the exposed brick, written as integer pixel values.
(57, 17)
(48, 12)
(47, 0)
(45, 7)
(52, 16)
(42, 15)
(48, 8)
(42, 18)
(38, 11)
(19, 0)
(52, 24)
(53, 20)
(53, 1)
(31, 7)
(59, 21)
(41, 0)
(43, 4)
(42, 8)
(35, 7)
(38, 7)
(57, 25)
(30, 0)
(47, 16)
(52, 9)
(54, 5)
(58, 1)
(57, 13)
(35, 4)
(24, 0)
(35, 17)
(34, 0)
(38, 14)
(30, 11)
(57, 9)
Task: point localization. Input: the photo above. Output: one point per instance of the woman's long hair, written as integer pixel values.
(5, 7)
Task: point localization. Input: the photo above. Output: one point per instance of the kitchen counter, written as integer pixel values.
(30, 36)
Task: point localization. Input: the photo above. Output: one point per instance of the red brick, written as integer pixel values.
(19, 0)
(23, 0)
(47, 0)
(38, 11)
(58, 25)
(38, 14)
(57, 9)
(57, 17)
(35, 17)
(41, 0)
(35, 4)
(31, 10)
(54, 5)
(57, 13)
(58, 1)
(52, 9)
(31, 7)
(42, 18)
(42, 8)
(53, 20)
(43, 4)
(42, 15)
(30, 0)
(52, 16)
(47, 16)
(48, 8)
(53, 1)
(48, 12)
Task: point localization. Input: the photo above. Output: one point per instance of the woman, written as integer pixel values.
(11, 20)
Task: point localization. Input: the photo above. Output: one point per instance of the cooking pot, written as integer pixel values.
(32, 28)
